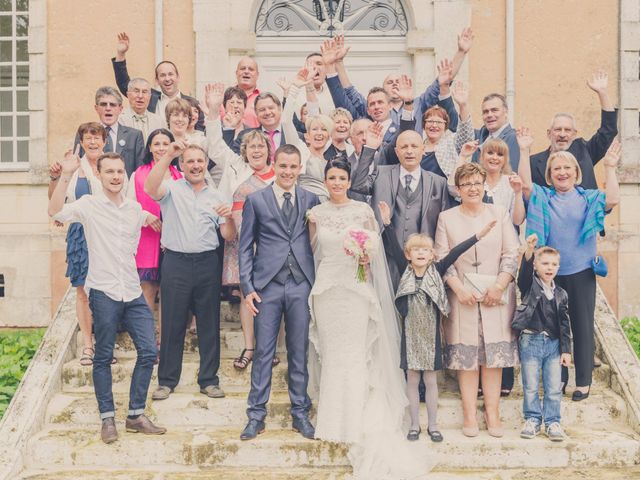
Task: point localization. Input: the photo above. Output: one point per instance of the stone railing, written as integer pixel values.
(619, 354)
(26, 413)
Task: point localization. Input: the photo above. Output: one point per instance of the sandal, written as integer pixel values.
(242, 362)
(275, 362)
(86, 360)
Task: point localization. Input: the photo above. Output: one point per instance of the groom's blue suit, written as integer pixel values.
(276, 262)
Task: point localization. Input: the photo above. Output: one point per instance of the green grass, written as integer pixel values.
(631, 326)
(17, 347)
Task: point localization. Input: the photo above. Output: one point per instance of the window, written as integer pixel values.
(326, 17)
(14, 83)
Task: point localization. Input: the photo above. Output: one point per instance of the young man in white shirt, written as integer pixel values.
(112, 228)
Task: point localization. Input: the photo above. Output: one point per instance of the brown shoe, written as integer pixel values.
(109, 434)
(143, 425)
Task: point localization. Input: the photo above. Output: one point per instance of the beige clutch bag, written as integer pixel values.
(478, 283)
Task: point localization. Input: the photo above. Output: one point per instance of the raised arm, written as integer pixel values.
(339, 95)
(601, 140)
(465, 41)
(70, 164)
(465, 156)
(443, 264)
(612, 188)
(464, 132)
(153, 184)
(301, 80)
(525, 140)
(119, 63)
(217, 148)
(361, 180)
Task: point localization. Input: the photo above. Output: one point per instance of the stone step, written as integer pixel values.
(183, 410)
(286, 449)
(76, 377)
(186, 473)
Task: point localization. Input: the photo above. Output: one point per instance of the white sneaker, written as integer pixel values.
(554, 432)
(530, 429)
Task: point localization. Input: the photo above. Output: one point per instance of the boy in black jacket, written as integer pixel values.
(545, 339)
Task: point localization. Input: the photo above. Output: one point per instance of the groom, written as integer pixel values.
(276, 274)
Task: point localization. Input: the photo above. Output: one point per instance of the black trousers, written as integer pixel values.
(190, 282)
(581, 288)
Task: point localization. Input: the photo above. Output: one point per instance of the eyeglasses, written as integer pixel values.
(468, 185)
(108, 104)
(434, 122)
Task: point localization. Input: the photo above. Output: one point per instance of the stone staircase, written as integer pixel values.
(203, 434)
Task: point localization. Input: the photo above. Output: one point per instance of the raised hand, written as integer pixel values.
(405, 88)
(465, 40)
(341, 49)
(598, 81)
(154, 222)
(213, 96)
(515, 182)
(612, 157)
(468, 149)
(486, 229)
(373, 136)
(123, 45)
(445, 72)
(460, 93)
(302, 78)
(529, 246)
(385, 212)
(524, 137)
(329, 51)
(176, 148)
(71, 160)
(55, 170)
(284, 84)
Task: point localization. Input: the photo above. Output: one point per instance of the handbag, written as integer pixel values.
(478, 283)
(599, 266)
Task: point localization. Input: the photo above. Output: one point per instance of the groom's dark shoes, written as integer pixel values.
(303, 427)
(252, 430)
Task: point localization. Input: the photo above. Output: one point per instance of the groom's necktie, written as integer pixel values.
(287, 207)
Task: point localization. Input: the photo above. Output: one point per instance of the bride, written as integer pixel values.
(354, 341)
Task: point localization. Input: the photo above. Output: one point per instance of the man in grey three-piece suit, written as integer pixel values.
(276, 275)
(416, 197)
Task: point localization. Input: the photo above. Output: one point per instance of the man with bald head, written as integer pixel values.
(416, 197)
(247, 80)
(562, 135)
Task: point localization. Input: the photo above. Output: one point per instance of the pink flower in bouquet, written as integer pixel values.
(357, 243)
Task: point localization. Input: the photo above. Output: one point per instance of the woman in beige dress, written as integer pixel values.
(478, 334)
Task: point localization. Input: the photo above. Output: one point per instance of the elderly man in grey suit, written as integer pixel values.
(416, 197)
(276, 275)
(125, 141)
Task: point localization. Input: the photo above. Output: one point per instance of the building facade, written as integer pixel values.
(54, 55)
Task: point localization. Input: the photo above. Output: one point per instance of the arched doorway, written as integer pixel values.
(287, 31)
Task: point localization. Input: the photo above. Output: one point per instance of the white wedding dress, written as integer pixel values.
(354, 353)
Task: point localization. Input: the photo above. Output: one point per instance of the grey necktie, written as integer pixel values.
(108, 146)
(287, 207)
(407, 183)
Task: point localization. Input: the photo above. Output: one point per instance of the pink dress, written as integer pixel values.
(230, 267)
(148, 254)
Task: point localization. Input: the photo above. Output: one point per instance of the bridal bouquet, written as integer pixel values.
(358, 244)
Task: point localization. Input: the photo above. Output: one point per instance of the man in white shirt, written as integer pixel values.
(136, 115)
(112, 228)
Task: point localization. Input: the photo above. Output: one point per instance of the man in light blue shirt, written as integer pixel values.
(192, 212)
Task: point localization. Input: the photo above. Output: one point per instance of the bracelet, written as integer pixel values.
(53, 179)
(408, 102)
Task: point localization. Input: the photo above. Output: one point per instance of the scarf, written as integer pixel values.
(431, 285)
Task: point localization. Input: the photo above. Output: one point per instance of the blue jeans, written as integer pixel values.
(137, 320)
(541, 354)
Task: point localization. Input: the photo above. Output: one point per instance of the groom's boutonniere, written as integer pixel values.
(309, 217)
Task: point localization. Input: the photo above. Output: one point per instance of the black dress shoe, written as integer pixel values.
(579, 396)
(303, 427)
(252, 430)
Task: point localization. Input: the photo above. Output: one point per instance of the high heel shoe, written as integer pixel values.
(470, 431)
(497, 432)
